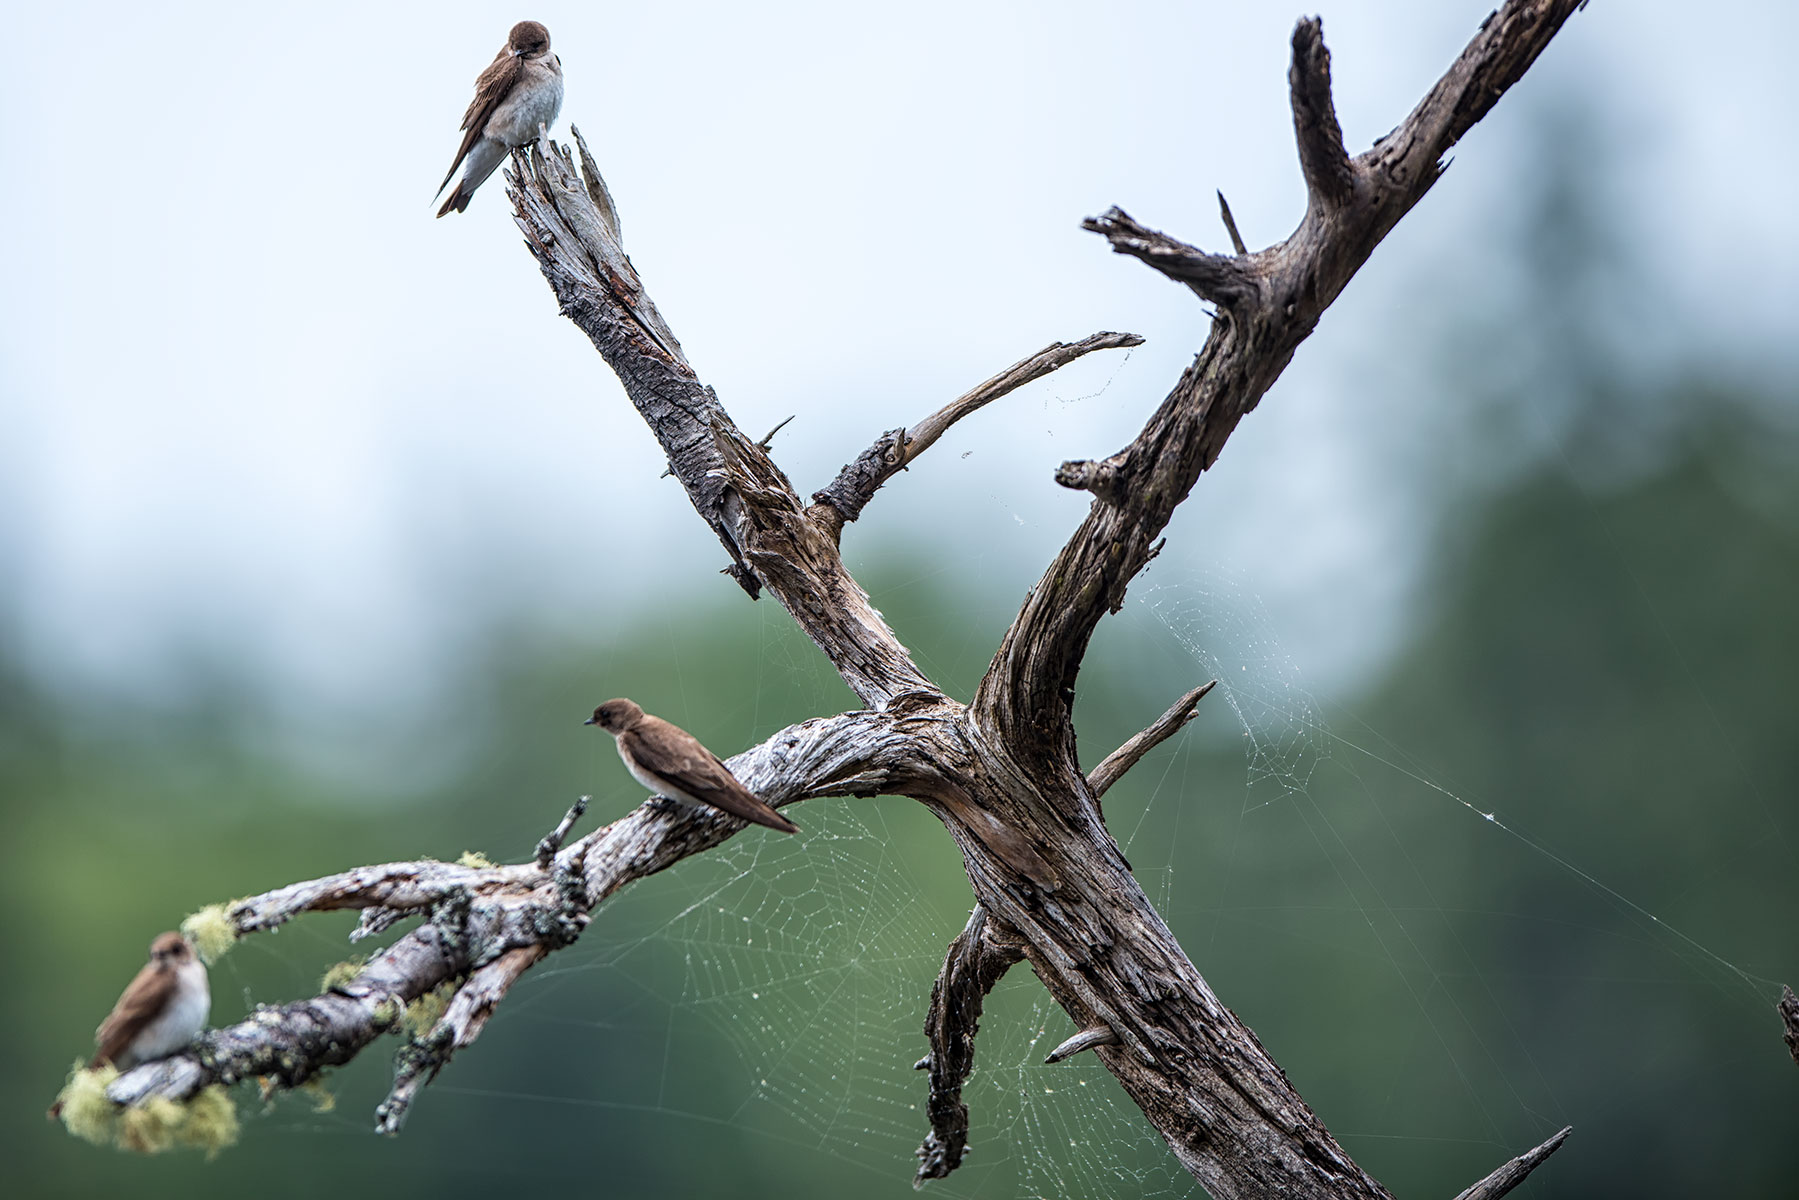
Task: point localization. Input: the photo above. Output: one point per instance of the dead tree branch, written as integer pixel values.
(479, 916)
(981, 953)
(1112, 769)
(896, 449)
(1001, 773)
(1512, 1173)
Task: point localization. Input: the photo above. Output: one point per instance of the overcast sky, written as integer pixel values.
(253, 396)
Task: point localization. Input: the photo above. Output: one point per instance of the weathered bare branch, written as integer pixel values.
(1112, 769)
(404, 887)
(978, 956)
(769, 437)
(1216, 277)
(464, 1019)
(1274, 299)
(730, 479)
(1511, 1174)
(552, 841)
(479, 916)
(1322, 158)
(896, 449)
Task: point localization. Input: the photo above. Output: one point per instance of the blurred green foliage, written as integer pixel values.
(1606, 672)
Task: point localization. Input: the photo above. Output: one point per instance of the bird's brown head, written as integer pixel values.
(616, 716)
(528, 39)
(170, 950)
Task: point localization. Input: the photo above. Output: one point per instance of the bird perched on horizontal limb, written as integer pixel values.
(671, 762)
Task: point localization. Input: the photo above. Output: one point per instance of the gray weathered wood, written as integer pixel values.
(1511, 1173)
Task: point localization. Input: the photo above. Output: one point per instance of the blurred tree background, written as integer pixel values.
(1600, 657)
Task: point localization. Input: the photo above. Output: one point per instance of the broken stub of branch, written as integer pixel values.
(856, 484)
(1087, 1039)
(1219, 278)
(552, 841)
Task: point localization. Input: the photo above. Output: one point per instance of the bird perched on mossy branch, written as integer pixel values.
(161, 1011)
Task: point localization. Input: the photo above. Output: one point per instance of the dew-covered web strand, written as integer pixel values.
(1289, 759)
(1754, 982)
(1306, 716)
(774, 933)
(1480, 977)
(1276, 758)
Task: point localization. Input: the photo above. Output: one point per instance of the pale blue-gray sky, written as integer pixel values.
(253, 395)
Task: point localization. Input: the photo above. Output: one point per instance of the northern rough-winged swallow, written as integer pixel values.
(160, 1012)
(671, 762)
(520, 90)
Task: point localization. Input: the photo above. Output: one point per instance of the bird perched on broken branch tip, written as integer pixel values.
(161, 1011)
(671, 762)
(516, 98)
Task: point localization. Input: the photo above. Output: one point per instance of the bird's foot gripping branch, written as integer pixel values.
(1002, 773)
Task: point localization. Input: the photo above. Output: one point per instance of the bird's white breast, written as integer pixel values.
(535, 100)
(179, 1022)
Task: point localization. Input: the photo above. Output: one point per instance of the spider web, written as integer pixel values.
(811, 957)
(765, 937)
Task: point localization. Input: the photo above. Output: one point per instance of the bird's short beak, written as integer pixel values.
(514, 52)
(588, 721)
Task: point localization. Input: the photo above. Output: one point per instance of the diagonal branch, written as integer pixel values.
(977, 958)
(730, 478)
(845, 497)
(1273, 298)
(1112, 769)
(1219, 278)
(1510, 1174)
(462, 1022)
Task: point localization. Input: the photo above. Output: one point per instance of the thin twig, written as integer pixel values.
(1230, 224)
(1115, 764)
(857, 483)
(552, 841)
(769, 437)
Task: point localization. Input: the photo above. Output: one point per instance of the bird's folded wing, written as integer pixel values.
(670, 753)
(490, 88)
(147, 996)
